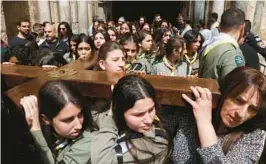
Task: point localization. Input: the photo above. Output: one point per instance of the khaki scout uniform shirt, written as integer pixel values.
(165, 68)
(147, 60)
(77, 152)
(105, 141)
(220, 57)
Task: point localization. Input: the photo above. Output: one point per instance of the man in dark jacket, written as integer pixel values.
(53, 43)
(223, 54)
(254, 41)
(23, 35)
(249, 53)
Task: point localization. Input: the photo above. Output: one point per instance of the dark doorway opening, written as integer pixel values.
(132, 10)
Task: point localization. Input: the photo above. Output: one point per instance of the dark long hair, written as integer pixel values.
(129, 38)
(140, 36)
(68, 28)
(53, 97)
(48, 57)
(24, 54)
(129, 24)
(191, 36)
(104, 33)
(86, 39)
(127, 91)
(159, 33)
(175, 43)
(235, 83)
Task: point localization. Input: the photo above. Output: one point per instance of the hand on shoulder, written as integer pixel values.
(30, 105)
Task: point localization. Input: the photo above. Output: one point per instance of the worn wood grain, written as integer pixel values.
(97, 84)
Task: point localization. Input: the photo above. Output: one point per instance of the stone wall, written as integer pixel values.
(80, 13)
(13, 12)
(263, 25)
(3, 25)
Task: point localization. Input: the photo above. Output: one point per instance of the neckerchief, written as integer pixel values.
(190, 62)
(150, 58)
(129, 64)
(74, 56)
(169, 65)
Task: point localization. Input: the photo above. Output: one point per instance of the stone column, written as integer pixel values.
(82, 16)
(262, 33)
(198, 11)
(258, 16)
(44, 11)
(242, 5)
(55, 12)
(191, 10)
(34, 13)
(3, 25)
(95, 8)
(250, 11)
(208, 5)
(218, 7)
(101, 10)
(64, 10)
(74, 16)
(90, 13)
(227, 4)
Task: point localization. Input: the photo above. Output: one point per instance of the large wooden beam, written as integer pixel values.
(17, 74)
(97, 84)
(22, 71)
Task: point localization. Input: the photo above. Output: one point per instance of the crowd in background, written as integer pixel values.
(139, 39)
(130, 128)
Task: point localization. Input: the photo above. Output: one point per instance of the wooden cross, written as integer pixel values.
(26, 80)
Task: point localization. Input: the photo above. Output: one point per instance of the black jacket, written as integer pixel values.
(60, 48)
(255, 42)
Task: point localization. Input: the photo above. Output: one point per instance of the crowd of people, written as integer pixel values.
(63, 126)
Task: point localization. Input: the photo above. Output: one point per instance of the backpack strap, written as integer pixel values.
(119, 154)
(208, 49)
(122, 147)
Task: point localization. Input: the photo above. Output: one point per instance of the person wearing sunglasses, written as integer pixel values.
(64, 32)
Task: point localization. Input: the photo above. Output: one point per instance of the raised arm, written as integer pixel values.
(30, 105)
(247, 149)
(202, 109)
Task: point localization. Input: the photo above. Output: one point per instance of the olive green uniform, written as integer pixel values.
(105, 141)
(164, 67)
(76, 152)
(147, 60)
(98, 107)
(220, 57)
